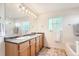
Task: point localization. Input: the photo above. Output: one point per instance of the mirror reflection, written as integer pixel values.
(17, 22)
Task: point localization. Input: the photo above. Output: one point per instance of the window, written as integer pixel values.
(55, 23)
(50, 24)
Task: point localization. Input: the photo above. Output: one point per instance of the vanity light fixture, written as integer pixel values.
(27, 10)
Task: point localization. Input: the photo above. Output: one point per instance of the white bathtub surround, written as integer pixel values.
(77, 47)
(72, 49)
(69, 50)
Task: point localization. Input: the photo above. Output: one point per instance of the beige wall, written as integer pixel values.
(70, 16)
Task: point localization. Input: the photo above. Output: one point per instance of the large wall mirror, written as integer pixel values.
(76, 29)
(17, 22)
(2, 19)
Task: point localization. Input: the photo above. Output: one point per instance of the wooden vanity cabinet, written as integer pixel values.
(32, 45)
(28, 48)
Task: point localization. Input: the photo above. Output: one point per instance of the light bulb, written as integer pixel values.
(26, 10)
(23, 8)
(29, 12)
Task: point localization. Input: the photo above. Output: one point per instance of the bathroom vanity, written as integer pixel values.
(24, 46)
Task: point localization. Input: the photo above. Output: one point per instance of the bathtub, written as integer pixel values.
(71, 50)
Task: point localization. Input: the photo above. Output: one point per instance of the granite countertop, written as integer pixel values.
(21, 39)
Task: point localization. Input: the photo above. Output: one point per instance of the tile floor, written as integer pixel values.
(52, 52)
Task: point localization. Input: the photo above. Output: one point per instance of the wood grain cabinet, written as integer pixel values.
(24, 49)
(32, 45)
(37, 45)
(12, 49)
(25, 52)
(28, 48)
(41, 42)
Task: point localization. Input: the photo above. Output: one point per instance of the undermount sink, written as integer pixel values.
(24, 37)
(21, 38)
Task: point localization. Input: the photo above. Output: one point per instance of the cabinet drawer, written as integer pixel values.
(32, 44)
(23, 45)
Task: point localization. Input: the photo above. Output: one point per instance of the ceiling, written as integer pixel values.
(39, 8)
(51, 7)
(13, 11)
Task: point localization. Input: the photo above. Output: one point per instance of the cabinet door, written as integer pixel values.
(25, 51)
(37, 45)
(23, 45)
(11, 49)
(32, 43)
(41, 42)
